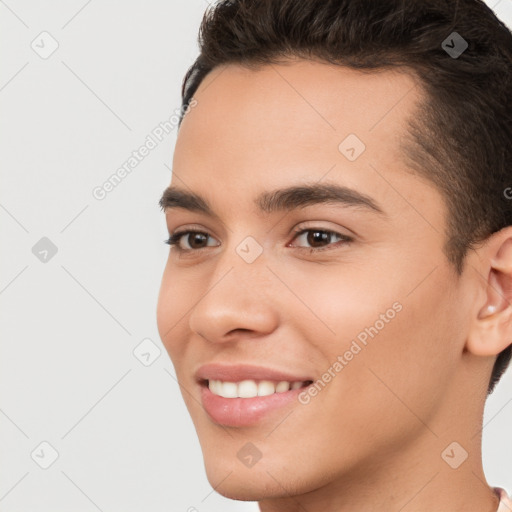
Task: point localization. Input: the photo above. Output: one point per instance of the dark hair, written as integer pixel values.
(460, 139)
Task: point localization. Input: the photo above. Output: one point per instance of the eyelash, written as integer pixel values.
(175, 238)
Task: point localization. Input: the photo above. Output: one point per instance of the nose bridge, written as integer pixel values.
(237, 294)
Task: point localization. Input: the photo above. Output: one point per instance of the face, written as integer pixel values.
(340, 291)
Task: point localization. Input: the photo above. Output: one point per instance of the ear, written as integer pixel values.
(491, 328)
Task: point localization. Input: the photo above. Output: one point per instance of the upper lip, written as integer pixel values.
(239, 372)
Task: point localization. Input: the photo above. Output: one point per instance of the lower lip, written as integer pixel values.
(243, 412)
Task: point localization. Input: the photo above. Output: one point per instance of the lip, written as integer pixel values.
(239, 372)
(243, 412)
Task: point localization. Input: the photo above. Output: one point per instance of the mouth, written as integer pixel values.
(249, 402)
(243, 395)
(251, 388)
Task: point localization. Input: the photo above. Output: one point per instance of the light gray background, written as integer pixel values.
(70, 324)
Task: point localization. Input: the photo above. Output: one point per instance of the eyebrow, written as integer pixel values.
(285, 199)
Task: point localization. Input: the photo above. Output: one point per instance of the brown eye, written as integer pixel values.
(320, 239)
(314, 238)
(193, 240)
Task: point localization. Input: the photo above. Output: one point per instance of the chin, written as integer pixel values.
(230, 478)
(244, 485)
(276, 478)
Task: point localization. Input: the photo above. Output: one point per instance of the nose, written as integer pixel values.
(237, 301)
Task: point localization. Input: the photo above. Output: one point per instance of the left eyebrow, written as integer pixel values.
(285, 199)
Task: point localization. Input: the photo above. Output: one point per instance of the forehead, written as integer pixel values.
(313, 102)
(301, 121)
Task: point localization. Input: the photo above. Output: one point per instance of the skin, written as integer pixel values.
(372, 439)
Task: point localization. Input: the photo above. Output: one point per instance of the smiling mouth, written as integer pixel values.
(252, 388)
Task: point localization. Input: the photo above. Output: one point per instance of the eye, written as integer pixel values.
(321, 239)
(318, 239)
(194, 240)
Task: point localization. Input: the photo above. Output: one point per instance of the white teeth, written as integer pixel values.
(247, 389)
(265, 388)
(250, 388)
(283, 386)
(228, 389)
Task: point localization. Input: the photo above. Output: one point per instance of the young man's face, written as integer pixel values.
(379, 320)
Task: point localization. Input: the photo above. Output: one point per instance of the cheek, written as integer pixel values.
(408, 364)
(398, 344)
(343, 303)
